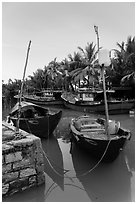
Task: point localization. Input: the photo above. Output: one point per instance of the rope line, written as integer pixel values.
(80, 175)
(64, 170)
(97, 164)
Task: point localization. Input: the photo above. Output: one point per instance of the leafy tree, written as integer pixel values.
(124, 61)
(38, 79)
(10, 90)
(85, 70)
(54, 75)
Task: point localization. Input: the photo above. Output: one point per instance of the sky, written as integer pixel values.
(56, 29)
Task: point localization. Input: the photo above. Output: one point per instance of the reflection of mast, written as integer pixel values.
(102, 67)
(21, 92)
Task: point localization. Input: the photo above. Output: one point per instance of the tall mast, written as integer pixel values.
(102, 67)
(96, 31)
(21, 92)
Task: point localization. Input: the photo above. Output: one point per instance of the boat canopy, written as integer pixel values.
(24, 106)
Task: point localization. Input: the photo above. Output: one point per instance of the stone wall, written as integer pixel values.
(22, 161)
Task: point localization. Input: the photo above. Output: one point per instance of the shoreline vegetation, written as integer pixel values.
(77, 71)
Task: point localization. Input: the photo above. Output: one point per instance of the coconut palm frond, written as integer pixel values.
(128, 77)
(121, 46)
(82, 50)
(73, 71)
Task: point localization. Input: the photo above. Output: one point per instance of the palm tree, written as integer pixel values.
(124, 62)
(130, 75)
(53, 73)
(37, 80)
(85, 70)
(89, 54)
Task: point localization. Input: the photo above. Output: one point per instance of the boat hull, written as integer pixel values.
(114, 107)
(42, 127)
(106, 150)
(43, 102)
(97, 148)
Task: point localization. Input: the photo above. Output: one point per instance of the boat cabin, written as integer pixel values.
(85, 94)
(91, 95)
(48, 94)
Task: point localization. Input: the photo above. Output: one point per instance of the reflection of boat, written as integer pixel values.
(35, 119)
(90, 134)
(107, 182)
(53, 161)
(92, 101)
(46, 97)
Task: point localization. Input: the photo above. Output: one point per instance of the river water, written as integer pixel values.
(68, 176)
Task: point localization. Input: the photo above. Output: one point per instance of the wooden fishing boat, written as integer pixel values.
(42, 100)
(90, 134)
(101, 137)
(88, 104)
(35, 119)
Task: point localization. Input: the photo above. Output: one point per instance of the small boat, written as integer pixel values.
(91, 102)
(44, 98)
(35, 119)
(90, 134)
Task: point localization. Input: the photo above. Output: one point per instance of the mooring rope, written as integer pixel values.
(64, 170)
(97, 164)
(80, 175)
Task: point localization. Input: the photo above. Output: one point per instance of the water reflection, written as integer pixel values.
(53, 161)
(106, 183)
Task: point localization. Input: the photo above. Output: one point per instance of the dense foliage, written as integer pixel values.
(79, 69)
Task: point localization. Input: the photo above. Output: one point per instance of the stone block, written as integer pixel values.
(40, 178)
(27, 172)
(18, 184)
(22, 164)
(39, 157)
(7, 135)
(32, 180)
(13, 191)
(6, 168)
(5, 188)
(28, 141)
(8, 177)
(40, 168)
(7, 148)
(27, 152)
(3, 159)
(12, 157)
(25, 188)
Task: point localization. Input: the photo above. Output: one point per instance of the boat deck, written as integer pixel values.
(98, 135)
(90, 128)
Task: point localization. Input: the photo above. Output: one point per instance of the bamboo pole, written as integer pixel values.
(96, 31)
(104, 87)
(21, 92)
(105, 101)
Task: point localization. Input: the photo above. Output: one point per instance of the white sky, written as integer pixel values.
(56, 29)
